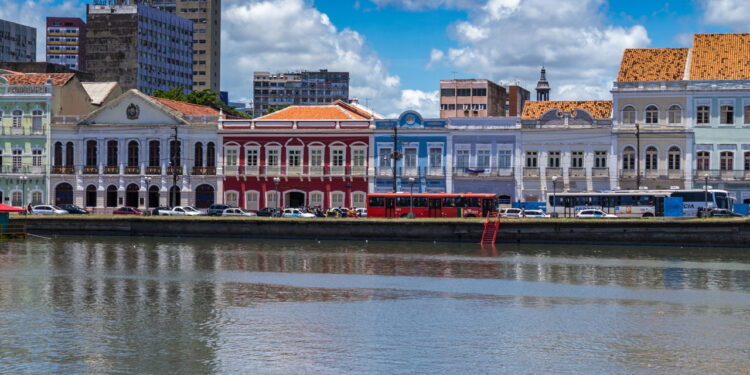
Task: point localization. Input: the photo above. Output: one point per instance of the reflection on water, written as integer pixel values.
(196, 306)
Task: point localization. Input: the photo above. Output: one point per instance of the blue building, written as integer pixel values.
(422, 144)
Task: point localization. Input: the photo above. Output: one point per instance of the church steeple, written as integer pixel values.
(542, 87)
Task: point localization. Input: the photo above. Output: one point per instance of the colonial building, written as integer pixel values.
(315, 156)
(565, 146)
(652, 119)
(137, 151)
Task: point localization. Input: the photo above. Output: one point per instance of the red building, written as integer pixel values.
(314, 156)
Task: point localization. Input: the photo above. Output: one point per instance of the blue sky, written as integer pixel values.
(398, 50)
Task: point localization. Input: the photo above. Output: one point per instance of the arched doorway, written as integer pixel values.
(64, 194)
(131, 195)
(153, 196)
(204, 196)
(294, 199)
(174, 196)
(111, 196)
(91, 196)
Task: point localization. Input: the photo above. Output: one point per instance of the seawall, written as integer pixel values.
(690, 232)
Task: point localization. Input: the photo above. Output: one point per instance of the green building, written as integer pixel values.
(25, 107)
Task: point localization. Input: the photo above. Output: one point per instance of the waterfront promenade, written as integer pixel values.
(682, 232)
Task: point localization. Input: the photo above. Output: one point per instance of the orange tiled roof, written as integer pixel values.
(720, 57)
(188, 108)
(652, 64)
(597, 108)
(338, 110)
(58, 79)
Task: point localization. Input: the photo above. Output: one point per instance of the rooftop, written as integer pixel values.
(720, 57)
(597, 108)
(98, 91)
(37, 79)
(337, 110)
(652, 64)
(188, 108)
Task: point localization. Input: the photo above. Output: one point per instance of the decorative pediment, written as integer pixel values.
(134, 108)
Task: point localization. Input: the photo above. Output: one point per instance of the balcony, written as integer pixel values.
(358, 170)
(252, 170)
(231, 170)
(554, 172)
(315, 170)
(627, 173)
(674, 174)
(174, 170)
(90, 169)
(437, 172)
(385, 172)
(727, 175)
(58, 169)
(599, 172)
(153, 170)
(293, 170)
(204, 171)
(482, 172)
(111, 169)
(132, 169)
(651, 173)
(530, 172)
(273, 170)
(16, 131)
(410, 171)
(577, 172)
(337, 170)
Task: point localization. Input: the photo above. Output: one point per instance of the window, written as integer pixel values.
(316, 157)
(384, 158)
(271, 199)
(16, 199)
(600, 159)
(747, 115)
(531, 159)
(337, 199)
(132, 154)
(358, 157)
(463, 92)
(232, 198)
(17, 160)
(198, 154)
(358, 199)
(726, 160)
(17, 116)
(628, 115)
(58, 155)
(153, 153)
(252, 157)
(651, 158)
(483, 158)
(447, 92)
(704, 160)
(294, 157)
(111, 153)
(462, 158)
(628, 158)
(747, 160)
(230, 158)
(576, 159)
(252, 200)
(504, 158)
(674, 114)
(211, 155)
(703, 114)
(175, 152)
(410, 157)
(553, 160)
(316, 199)
(673, 158)
(36, 198)
(91, 153)
(337, 157)
(727, 114)
(272, 157)
(36, 121)
(436, 157)
(652, 114)
(479, 92)
(36, 157)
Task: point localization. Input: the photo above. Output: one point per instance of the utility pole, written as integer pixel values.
(637, 156)
(395, 155)
(175, 150)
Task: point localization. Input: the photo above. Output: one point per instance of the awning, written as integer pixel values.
(4, 209)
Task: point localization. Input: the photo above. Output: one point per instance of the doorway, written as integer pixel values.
(435, 207)
(153, 196)
(294, 199)
(131, 195)
(204, 196)
(390, 207)
(64, 194)
(91, 196)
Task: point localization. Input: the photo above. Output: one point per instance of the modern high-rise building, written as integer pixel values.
(139, 46)
(471, 98)
(66, 42)
(206, 18)
(17, 42)
(299, 88)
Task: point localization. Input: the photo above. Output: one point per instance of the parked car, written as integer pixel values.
(73, 209)
(161, 211)
(296, 212)
(125, 210)
(217, 209)
(361, 212)
(723, 212)
(234, 211)
(45, 209)
(534, 214)
(587, 214)
(511, 212)
(268, 212)
(182, 211)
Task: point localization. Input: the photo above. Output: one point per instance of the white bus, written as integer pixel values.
(636, 203)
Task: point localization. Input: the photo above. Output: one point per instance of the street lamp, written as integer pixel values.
(276, 181)
(554, 196)
(148, 192)
(411, 199)
(705, 195)
(23, 190)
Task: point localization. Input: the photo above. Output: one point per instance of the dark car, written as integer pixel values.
(723, 212)
(73, 209)
(217, 209)
(269, 212)
(161, 211)
(125, 210)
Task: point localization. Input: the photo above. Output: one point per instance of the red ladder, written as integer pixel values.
(491, 227)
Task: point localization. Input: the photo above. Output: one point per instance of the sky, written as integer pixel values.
(397, 51)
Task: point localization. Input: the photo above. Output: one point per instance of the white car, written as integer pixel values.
(181, 211)
(234, 211)
(587, 214)
(295, 212)
(48, 210)
(361, 211)
(511, 212)
(534, 214)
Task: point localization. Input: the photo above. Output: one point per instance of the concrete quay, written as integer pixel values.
(686, 232)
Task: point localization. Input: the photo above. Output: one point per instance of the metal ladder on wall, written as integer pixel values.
(491, 227)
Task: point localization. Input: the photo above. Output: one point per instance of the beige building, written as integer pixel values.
(206, 17)
(471, 98)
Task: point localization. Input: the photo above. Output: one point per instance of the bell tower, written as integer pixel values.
(542, 87)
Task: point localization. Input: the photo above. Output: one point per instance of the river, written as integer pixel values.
(119, 305)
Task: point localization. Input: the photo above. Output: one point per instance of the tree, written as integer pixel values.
(205, 97)
(273, 109)
(175, 93)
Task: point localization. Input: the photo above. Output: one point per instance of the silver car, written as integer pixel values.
(234, 211)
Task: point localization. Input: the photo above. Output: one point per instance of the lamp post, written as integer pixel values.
(637, 156)
(276, 181)
(411, 198)
(148, 192)
(554, 196)
(705, 195)
(23, 190)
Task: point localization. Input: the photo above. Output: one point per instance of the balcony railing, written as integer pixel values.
(90, 169)
(530, 172)
(599, 172)
(357, 170)
(674, 174)
(723, 174)
(231, 170)
(554, 172)
(204, 171)
(22, 169)
(336, 170)
(410, 171)
(59, 169)
(293, 170)
(111, 169)
(132, 169)
(252, 170)
(153, 170)
(482, 172)
(273, 170)
(577, 172)
(174, 170)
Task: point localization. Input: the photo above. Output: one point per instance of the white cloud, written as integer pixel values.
(731, 13)
(436, 56)
(426, 103)
(34, 13)
(422, 5)
(569, 37)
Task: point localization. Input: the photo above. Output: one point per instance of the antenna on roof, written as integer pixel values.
(367, 102)
(454, 74)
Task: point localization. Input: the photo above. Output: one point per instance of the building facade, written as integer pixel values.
(66, 42)
(129, 151)
(565, 146)
(17, 42)
(517, 97)
(299, 156)
(24, 144)
(471, 98)
(139, 47)
(274, 91)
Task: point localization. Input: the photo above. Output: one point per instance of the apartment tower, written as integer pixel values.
(66, 42)
(299, 88)
(471, 98)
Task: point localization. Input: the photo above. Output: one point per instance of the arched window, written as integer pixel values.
(17, 118)
(337, 199)
(132, 154)
(211, 155)
(252, 200)
(112, 153)
(703, 159)
(272, 199)
(628, 115)
(175, 196)
(58, 155)
(131, 195)
(91, 154)
(652, 115)
(358, 199)
(175, 153)
(36, 121)
(232, 198)
(628, 158)
(91, 196)
(153, 153)
(16, 199)
(153, 196)
(674, 114)
(69, 154)
(652, 158)
(198, 154)
(673, 158)
(316, 199)
(36, 198)
(726, 160)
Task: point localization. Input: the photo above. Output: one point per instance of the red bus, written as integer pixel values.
(430, 204)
